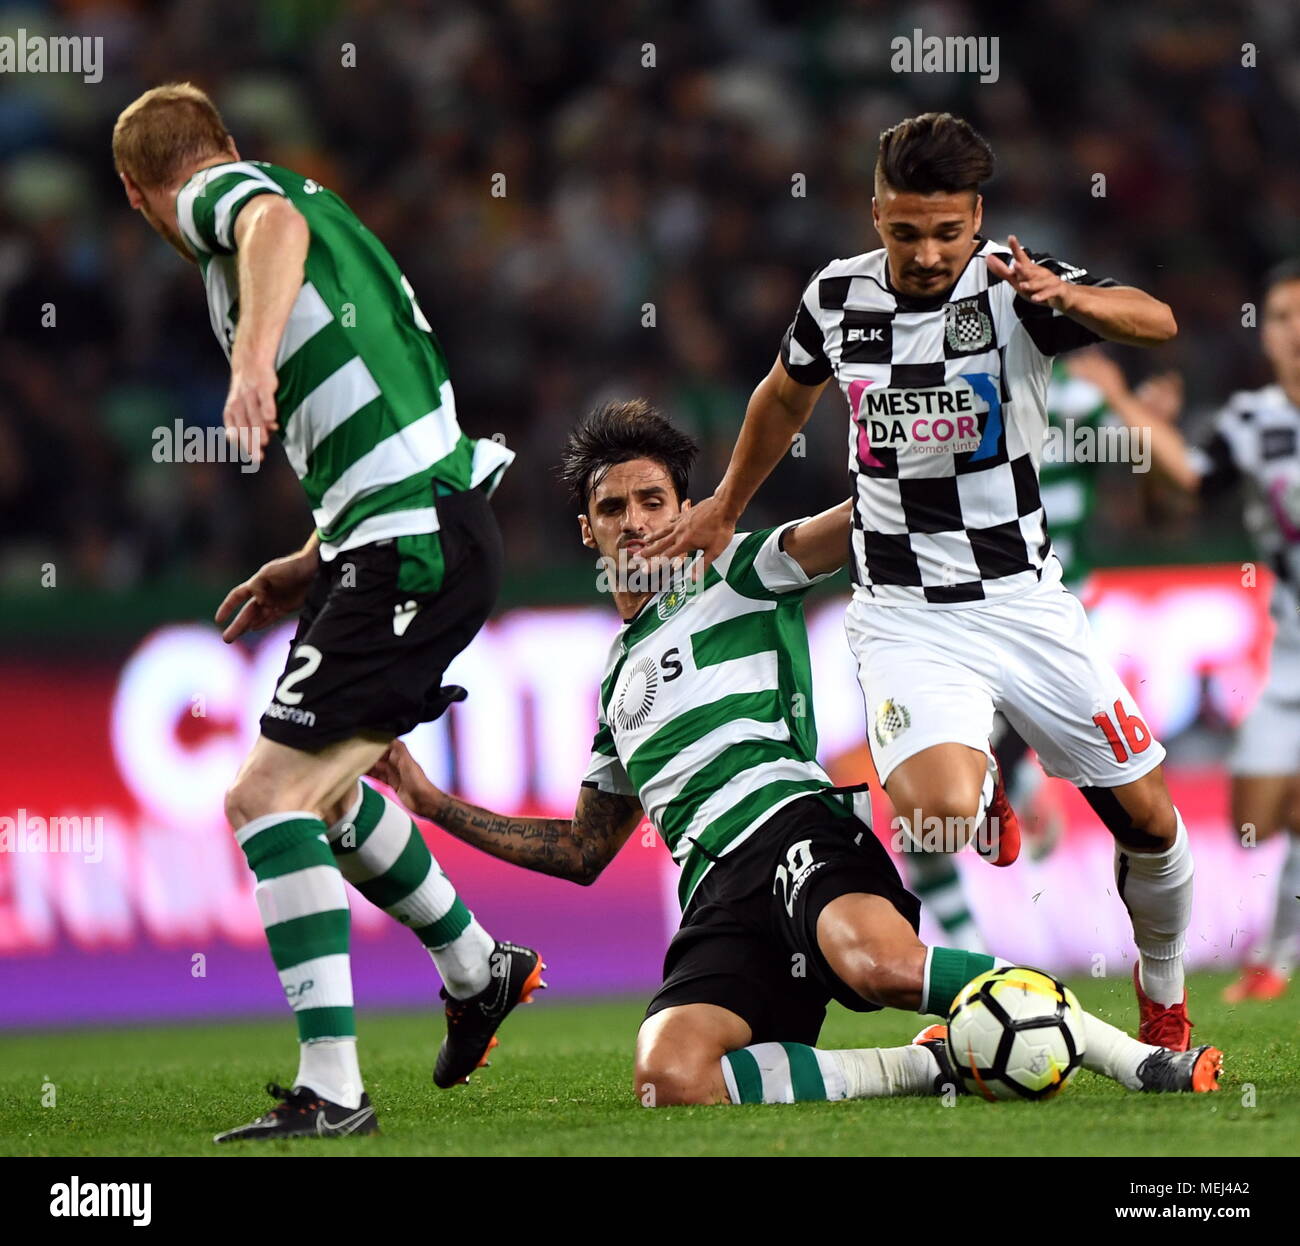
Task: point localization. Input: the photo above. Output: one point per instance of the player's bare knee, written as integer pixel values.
(254, 794)
(1155, 820)
(664, 1083)
(245, 800)
(880, 977)
(950, 810)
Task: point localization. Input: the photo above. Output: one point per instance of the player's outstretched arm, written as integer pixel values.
(778, 408)
(821, 544)
(1121, 314)
(1154, 408)
(271, 241)
(576, 849)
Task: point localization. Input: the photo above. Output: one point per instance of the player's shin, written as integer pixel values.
(1279, 949)
(304, 908)
(383, 855)
(796, 1073)
(1157, 891)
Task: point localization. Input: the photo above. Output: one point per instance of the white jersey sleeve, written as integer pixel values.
(755, 564)
(605, 772)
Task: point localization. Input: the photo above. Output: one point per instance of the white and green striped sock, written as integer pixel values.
(937, 882)
(383, 855)
(946, 971)
(304, 908)
(795, 1073)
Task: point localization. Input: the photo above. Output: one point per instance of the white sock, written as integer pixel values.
(1279, 948)
(794, 1072)
(882, 1072)
(1112, 1053)
(1157, 891)
(329, 1067)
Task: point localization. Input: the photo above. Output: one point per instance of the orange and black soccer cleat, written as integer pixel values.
(1162, 1025)
(1193, 1072)
(472, 1023)
(934, 1038)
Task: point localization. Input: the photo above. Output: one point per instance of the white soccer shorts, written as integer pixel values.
(932, 676)
(1268, 740)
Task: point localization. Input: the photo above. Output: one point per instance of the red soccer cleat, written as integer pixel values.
(1256, 982)
(1161, 1025)
(998, 838)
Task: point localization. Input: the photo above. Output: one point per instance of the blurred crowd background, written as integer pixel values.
(626, 184)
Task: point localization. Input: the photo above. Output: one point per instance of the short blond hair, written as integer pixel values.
(164, 131)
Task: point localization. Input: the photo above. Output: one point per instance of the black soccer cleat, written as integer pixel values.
(1195, 1071)
(472, 1023)
(934, 1038)
(302, 1113)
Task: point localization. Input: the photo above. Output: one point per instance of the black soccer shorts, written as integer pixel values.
(371, 650)
(748, 938)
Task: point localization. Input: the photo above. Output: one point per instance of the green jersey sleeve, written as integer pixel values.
(210, 202)
(755, 564)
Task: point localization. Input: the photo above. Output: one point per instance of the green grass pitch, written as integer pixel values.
(561, 1085)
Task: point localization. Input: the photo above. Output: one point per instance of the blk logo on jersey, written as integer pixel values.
(962, 417)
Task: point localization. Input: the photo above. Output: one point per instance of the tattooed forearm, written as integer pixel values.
(577, 850)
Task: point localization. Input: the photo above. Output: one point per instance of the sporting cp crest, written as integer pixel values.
(671, 602)
(966, 326)
(891, 718)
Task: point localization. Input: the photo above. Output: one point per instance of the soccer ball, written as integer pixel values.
(1015, 1033)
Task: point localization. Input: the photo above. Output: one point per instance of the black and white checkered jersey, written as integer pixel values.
(1255, 442)
(947, 399)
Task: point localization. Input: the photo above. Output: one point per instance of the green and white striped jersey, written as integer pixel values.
(706, 704)
(1068, 487)
(367, 415)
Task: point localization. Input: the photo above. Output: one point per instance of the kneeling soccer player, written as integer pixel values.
(789, 899)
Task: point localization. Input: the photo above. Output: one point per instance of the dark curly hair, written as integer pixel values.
(933, 153)
(617, 432)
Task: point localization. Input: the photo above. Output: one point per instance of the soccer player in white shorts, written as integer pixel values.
(1255, 441)
(942, 343)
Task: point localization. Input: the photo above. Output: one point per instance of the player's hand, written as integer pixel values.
(705, 528)
(1029, 280)
(400, 771)
(249, 414)
(1101, 370)
(1162, 395)
(279, 588)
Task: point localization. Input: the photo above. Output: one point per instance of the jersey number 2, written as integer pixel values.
(311, 657)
